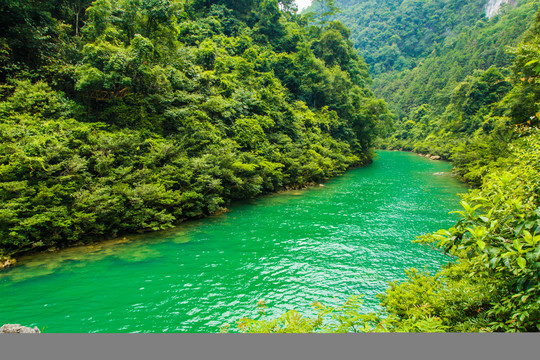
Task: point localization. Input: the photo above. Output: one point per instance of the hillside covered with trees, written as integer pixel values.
(395, 35)
(134, 115)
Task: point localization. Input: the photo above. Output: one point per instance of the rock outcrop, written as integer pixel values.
(6, 262)
(431, 157)
(18, 329)
(493, 6)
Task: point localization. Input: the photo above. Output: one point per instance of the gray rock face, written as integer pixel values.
(493, 6)
(18, 329)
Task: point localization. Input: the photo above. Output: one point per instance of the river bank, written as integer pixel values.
(8, 260)
(351, 236)
(427, 156)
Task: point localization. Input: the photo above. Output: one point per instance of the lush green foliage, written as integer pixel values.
(467, 48)
(499, 232)
(140, 114)
(495, 284)
(419, 51)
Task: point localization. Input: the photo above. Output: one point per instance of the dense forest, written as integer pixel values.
(394, 35)
(134, 115)
(472, 97)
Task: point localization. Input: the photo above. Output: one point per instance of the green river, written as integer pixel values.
(349, 237)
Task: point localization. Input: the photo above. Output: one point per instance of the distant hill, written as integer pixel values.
(418, 51)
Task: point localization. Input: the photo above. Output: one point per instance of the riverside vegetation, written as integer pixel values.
(146, 112)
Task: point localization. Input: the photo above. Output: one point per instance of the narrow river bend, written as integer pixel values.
(349, 237)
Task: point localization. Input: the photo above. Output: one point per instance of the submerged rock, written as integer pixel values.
(6, 262)
(222, 211)
(18, 329)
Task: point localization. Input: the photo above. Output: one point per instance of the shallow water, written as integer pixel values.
(349, 237)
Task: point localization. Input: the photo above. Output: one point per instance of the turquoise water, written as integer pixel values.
(350, 237)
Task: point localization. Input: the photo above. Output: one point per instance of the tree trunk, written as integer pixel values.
(77, 23)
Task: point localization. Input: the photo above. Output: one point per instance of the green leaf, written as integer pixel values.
(481, 244)
(519, 228)
(521, 262)
(528, 238)
(493, 262)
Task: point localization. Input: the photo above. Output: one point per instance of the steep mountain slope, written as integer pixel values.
(419, 49)
(475, 47)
